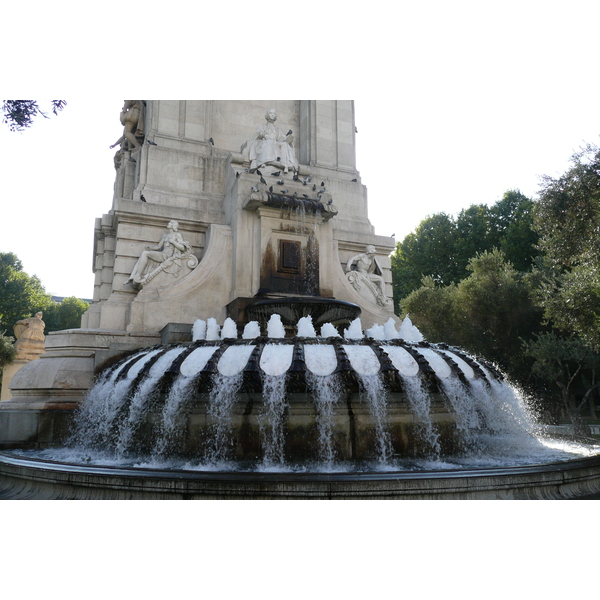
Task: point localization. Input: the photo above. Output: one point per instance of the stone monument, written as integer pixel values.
(29, 336)
(215, 213)
(270, 146)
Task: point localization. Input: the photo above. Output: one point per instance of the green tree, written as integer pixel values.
(496, 308)
(567, 218)
(442, 246)
(473, 235)
(570, 365)
(20, 114)
(21, 295)
(512, 229)
(487, 313)
(432, 308)
(428, 251)
(7, 350)
(65, 314)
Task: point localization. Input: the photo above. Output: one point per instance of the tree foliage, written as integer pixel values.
(7, 350)
(65, 314)
(442, 246)
(496, 307)
(487, 313)
(517, 283)
(20, 114)
(572, 366)
(567, 218)
(21, 295)
(432, 308)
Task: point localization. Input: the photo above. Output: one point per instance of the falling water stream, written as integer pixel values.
(158, 389)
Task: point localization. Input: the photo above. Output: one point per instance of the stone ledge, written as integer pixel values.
(26, 478)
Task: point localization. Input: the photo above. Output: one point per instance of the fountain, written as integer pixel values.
(308, 414)
(253, 351)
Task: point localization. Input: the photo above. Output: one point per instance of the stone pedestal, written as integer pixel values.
(7, 374)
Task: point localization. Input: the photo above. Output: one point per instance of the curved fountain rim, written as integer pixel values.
(25, 478)
(247, 476)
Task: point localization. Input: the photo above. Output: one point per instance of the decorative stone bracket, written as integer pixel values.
(262, 195)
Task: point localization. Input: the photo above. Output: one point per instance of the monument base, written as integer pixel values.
(44, 393)
(8, 372)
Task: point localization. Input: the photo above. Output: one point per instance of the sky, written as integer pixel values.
(59, 174)
(454, 105)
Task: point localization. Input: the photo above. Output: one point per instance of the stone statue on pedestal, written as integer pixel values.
(29, 334)
(168, 256)
(365, 274)
(270, 146)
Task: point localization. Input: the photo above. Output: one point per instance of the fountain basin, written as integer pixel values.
(290, 401)
(26, 478)
(303, 417)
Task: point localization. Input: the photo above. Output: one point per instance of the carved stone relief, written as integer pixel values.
(366, 276)
(168, 256)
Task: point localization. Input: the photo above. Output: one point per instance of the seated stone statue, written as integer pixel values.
(363, 272)
(165, 256)
(270, 146)
(30, 337)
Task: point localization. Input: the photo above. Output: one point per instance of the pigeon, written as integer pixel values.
(237, 175)
(142, 198)
(330, 201)
(258, 173)
(152, 143)
(284, 191)
(355, 180)
(295, 195)
(280, 182)
(271, 189)
(305, 195)
(278, 158)
(393, 235)
(322, 191)
(262, 180)
(289, 132)
(314, 187)
(132, 160)
(212, 141)
(276, 174)
(322, 184)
